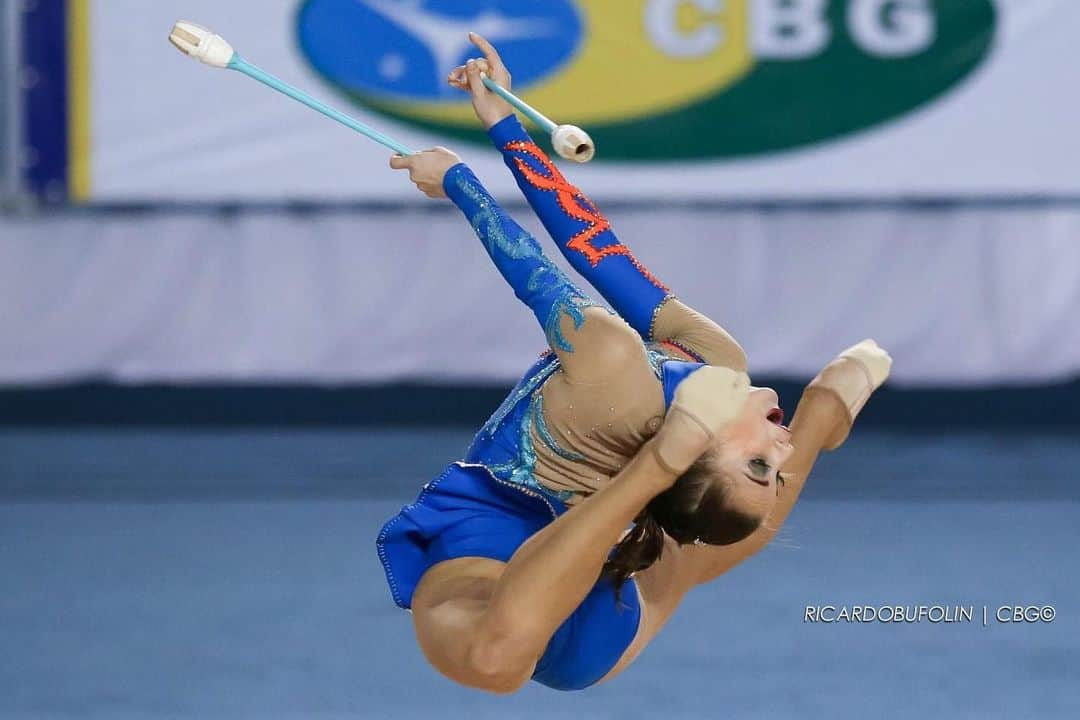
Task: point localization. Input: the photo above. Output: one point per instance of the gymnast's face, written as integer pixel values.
(750, 452)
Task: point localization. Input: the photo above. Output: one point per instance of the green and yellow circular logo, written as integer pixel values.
(659, 79)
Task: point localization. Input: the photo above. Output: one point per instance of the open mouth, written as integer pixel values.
(775, 416)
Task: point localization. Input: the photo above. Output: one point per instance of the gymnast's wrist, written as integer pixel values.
(681, 440)
(506, 130)
(455, 177)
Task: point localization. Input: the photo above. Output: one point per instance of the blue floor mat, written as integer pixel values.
(205, 575)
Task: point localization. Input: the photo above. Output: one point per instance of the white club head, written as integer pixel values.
(201, 44)
(573, 143)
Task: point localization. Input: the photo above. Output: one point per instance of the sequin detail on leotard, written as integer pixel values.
(656, 359)
(576, 205)
(520, 470)
(524, 389)
(658, 355)
(525, 401)
(536, 410)
(546, 285)
(655, 314)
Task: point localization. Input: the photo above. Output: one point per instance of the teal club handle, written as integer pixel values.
(241, 65)
(523, 107)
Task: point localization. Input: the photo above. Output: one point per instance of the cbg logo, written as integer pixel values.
(1025, 614)
(659, 79)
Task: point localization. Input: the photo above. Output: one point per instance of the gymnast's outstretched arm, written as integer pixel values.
(586, 239)
(584, 235)
(823, 419)
(592, 344)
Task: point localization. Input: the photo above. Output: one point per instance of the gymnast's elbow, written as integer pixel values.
(496, 666)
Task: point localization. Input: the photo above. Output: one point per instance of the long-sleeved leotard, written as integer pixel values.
(578, 417)
(587, 241)
(592, 410)
(574, 421)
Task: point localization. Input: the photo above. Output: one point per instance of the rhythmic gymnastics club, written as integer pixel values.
(205, 46)
(569, 141)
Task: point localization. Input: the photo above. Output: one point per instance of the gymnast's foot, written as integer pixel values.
(851, 378)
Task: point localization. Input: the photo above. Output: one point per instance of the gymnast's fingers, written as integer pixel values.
(400, 162)
(481, 64)
(457, 78)
(432, 191)
(476, 83)
(497, 70)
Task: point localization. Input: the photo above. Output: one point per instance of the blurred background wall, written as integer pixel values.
(808, 174)
(232, 342)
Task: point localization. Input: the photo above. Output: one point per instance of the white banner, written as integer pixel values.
(959, 297)
(687, 99)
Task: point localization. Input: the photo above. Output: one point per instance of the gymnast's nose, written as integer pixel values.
(764, 393)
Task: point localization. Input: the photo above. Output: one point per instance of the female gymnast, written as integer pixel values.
(517, 562)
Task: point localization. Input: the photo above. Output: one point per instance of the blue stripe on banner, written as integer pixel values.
(45, 97)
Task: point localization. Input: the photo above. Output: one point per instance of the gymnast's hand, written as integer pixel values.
(489, 107)
(851, 378)
(427, 169)
(706, 401)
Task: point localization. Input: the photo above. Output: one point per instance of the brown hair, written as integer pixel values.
(693, 509)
